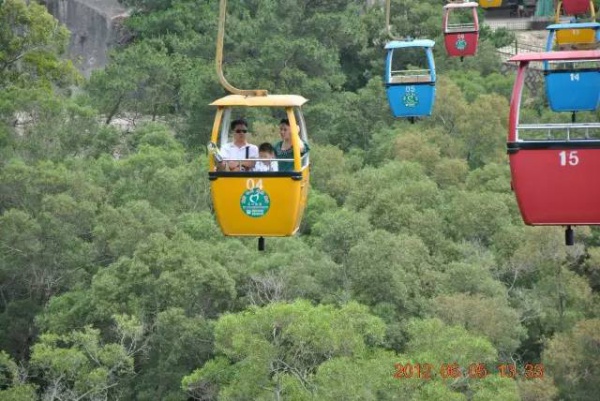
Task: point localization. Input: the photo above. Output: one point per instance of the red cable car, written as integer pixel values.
(576, 7)
(461, 38)
(554, 167)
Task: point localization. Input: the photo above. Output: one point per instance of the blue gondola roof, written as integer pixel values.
(580, 25)
(395, 44)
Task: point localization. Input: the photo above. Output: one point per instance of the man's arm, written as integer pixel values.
(252, 154)
(225, 155)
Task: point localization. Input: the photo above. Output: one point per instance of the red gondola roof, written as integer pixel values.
(557, 56)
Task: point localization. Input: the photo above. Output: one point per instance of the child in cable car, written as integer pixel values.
(266, 151)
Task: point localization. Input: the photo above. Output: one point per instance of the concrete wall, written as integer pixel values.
(95, 25)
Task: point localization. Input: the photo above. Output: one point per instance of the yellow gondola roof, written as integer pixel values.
(258, 101)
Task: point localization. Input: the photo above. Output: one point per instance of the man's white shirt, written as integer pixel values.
(231, 152)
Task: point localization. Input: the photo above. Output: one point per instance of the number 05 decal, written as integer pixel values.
(569, 158)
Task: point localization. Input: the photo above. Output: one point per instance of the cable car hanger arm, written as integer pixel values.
(219, 58)
(388, 27)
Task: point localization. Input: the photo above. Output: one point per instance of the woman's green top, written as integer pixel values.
(287, 154)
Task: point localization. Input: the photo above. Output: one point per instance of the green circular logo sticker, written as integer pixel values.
(410, 99)
(255, 202)
(461, 44)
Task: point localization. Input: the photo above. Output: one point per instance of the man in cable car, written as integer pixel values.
(239, 149)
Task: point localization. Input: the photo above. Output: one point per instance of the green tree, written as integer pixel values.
(176, 345)
(140, 80)
(572, 359)
(331, 172)
(484, 143)
(489, 317)
(449, 173)
(368, 378)
(275, 351)
(162, 273)
(32, 42)
(34, 78)
(396, 268)
(12, 385)
(434, 342)
(550, 296)
(534, 390)
(81, 366)
(339, 231)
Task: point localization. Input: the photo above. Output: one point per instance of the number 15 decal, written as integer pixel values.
(569, 157)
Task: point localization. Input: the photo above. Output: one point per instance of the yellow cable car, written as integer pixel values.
(254, 202)
(578, 36)
(490, 3)
(260, 203)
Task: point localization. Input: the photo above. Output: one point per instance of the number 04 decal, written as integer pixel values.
(569, 158)
(251, 184)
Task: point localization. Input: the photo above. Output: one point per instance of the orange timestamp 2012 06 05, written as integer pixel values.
(475, 370)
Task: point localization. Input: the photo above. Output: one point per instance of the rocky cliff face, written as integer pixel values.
(95, 25)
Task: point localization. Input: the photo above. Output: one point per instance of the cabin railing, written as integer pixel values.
(408, 76)
(465, 27)
(304, 161)
(559, 131)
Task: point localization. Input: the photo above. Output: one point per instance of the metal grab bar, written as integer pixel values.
(459, 25)
(558, 125)
(258, 160)
(401, 72)
(461, 30)
(569, 128)
(304, 160)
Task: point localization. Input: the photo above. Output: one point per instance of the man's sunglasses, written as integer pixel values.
(241, 131)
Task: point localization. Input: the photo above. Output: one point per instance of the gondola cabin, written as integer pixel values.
(576, 7)
(554, 167)
(573, 36)
(572, 86)
(490, 3)
(410, 77)
(259, 203)
(461, 38)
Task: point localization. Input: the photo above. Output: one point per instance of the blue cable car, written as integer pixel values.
(571, 87)
(410, 92)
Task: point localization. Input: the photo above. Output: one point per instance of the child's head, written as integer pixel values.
(266, 151)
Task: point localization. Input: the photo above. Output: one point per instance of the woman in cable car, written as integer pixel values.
(460, 38)
(284, 149)
(410, 90)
